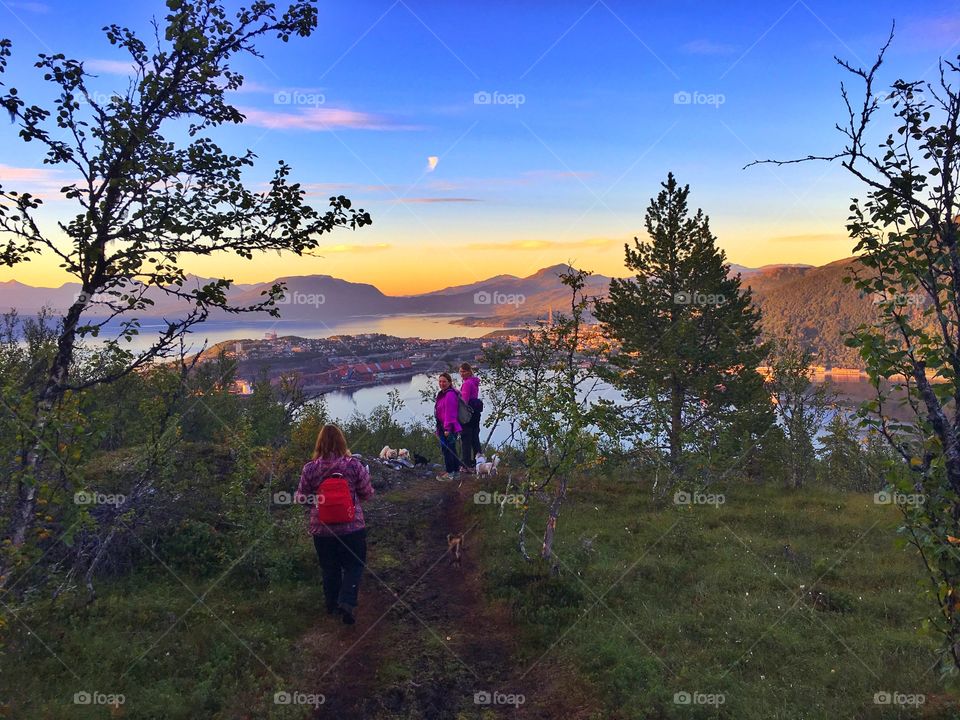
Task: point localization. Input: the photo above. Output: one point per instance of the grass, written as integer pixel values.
(650, 602)
(148, 639)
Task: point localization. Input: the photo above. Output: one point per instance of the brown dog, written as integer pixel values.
(455, 548)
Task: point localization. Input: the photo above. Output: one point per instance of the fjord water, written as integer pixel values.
(430, 327)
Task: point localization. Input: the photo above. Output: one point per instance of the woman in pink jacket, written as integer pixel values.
(445, 411)
(341, 547)
(470, 435)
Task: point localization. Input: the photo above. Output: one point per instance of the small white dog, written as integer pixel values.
(388, 453)
(487, 469)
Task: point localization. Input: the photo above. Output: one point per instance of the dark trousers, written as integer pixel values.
(342, 558)
(470, 440)
(448, 446)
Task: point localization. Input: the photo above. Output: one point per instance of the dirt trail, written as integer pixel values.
(425, 643)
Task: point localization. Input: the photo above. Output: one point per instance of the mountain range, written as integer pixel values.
(805, 302)
(325, 298)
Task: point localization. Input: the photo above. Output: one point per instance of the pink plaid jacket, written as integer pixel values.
(356, 475)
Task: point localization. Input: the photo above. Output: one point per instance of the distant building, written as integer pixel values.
(356, 372)
(240, 387)
(369, 371)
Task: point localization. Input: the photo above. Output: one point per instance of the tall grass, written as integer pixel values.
(787, 604)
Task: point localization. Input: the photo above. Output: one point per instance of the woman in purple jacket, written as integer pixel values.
(470, 437)
(445, 411)
(341, 547)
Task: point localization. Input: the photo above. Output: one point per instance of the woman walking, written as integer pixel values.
(332, 486)
(445, 410)
(470, 439)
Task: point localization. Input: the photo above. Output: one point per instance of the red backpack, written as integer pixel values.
(335, 500)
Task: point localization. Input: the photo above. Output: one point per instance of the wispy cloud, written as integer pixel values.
(594, 243)
(811, 237)
(34, 7)
(252, 86)
(321, 120)
(44, 183)
(109, 67)
(429, 200)
(350, 248)
(394, 191)
(528, 178)
(932, 33)
(335, 188)
(708, 47)
(535, 175)
(8, 173)
(524, 179)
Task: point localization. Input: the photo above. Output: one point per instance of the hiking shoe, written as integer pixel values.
(347, 616)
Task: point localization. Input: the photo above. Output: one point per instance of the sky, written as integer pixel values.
(503, 137)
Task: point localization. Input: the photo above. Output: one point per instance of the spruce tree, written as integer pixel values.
(688, 335)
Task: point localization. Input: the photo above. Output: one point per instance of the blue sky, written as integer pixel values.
(582, 127)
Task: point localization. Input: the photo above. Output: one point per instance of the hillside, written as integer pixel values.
(323, 298)
(814, 306)
(798, 301)
(810, 304)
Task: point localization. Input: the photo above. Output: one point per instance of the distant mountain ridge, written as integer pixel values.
(324, 298)
(748, 271)
(805, 302)
(814, 306)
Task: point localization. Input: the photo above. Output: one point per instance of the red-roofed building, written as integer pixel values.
(368, 371)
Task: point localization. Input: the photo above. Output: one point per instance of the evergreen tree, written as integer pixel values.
(689, 335)
(801, 405)
(850, 462)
